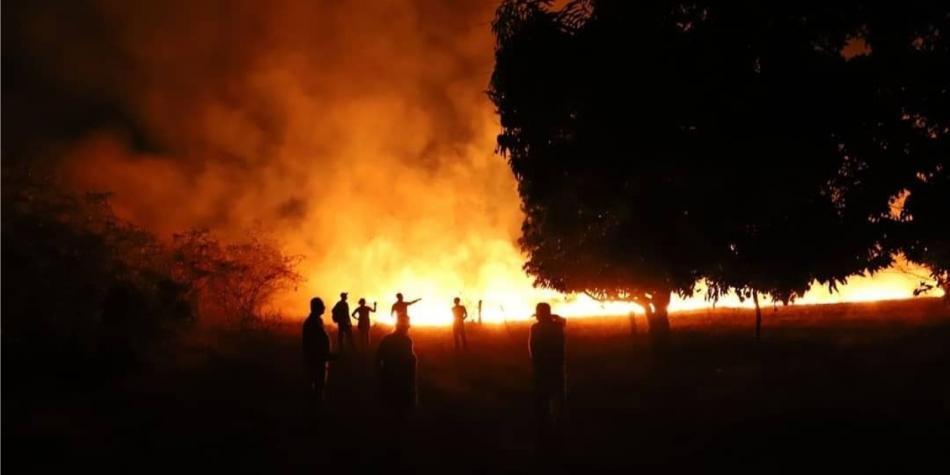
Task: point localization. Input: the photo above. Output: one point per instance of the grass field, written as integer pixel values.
(851, 386)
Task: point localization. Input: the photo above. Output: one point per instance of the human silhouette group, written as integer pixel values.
(395, 360)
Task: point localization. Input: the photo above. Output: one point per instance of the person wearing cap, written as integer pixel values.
(546, 349)
(459, 314)
(341, 316)
(362, 321)
(401, 308)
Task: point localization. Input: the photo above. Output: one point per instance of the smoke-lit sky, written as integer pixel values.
(358, 133)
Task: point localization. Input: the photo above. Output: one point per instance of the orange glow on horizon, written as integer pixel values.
(359, 137)
(513, 298)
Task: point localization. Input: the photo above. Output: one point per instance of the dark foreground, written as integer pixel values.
(849, 387)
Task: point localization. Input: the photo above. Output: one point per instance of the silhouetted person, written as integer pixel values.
(341, 316)
(316, 350)
(546, 347)
(396, 363)
(363, 322)
(459, 314)
(401, 308)
(479, 312)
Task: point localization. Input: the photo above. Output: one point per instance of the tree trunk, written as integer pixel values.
(644, 303)
(658, 317)
(633, 323)
(758, 316)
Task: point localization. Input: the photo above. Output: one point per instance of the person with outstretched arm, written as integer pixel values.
(363, 322)
(401, 307)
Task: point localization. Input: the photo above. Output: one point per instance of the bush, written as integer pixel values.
(84, 293)
(231, 283)
(88, 296)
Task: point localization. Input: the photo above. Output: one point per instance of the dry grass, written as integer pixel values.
(852, 386)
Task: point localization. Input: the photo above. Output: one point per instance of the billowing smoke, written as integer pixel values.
(358, 133)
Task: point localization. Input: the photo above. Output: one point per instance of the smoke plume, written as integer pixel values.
(357, 133)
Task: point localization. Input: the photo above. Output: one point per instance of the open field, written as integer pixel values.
(845, 386)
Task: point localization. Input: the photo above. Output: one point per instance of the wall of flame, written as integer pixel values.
(358, 133)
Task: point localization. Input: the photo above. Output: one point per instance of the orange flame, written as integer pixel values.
(359, 135)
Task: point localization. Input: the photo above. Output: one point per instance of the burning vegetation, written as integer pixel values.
(358, 138)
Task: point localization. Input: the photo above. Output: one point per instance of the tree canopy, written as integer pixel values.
(753, 145)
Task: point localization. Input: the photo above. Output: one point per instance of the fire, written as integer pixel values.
(359, 136)
(512, 297)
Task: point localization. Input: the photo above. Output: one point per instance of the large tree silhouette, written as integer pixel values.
(887, 81)
(757, 146)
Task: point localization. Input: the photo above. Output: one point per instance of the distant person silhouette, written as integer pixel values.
(363, 322)
(341, 316)
(459, 314)
(316, 350)
(479, 311)
(546, 347)
(401, 308)
(396, 363)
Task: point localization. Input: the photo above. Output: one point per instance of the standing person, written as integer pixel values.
(396, 363)
(341, 316)
(479, 311)
(363, 322)
(316, 350)
(546, 348)
(459, 314)
(401, 308)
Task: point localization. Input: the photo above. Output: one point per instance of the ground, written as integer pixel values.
(845, 386)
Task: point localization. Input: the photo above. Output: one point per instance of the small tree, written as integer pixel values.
(85, 293)
(232, 282)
